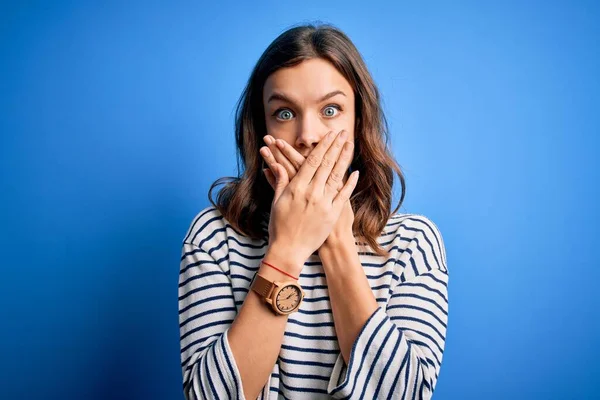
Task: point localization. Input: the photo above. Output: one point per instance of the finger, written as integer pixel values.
(265, 152)
(295, 158)
(279, 156)
(313, 161)
(346, 192)
(335, 180)
(281, 180)
(331, 158)
(270, 177)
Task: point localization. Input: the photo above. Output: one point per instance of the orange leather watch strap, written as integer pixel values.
(262, 286)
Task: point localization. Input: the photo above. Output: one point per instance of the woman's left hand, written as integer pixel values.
(281, 152)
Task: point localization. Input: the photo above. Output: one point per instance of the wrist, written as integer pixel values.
(337, 241)
(281, 258)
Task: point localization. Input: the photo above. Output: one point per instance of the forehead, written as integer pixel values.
(307, 81)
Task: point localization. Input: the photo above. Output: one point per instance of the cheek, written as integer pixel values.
(345, 121)
(280, 131)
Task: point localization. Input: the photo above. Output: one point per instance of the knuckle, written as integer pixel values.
(327, 162)
(313, 160)
(312, 197)
(295, 190)
(331, 185)
(335, 177)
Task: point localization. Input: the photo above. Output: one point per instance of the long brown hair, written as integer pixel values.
(245, 201)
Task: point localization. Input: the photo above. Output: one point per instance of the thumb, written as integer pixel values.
(269, 177)
(281, 180)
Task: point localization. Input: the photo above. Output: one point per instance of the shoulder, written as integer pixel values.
(208, 225)
(418, 235)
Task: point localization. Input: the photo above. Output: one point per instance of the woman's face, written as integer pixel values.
(304, 102)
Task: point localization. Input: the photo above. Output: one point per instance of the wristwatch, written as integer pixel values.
(283, 297)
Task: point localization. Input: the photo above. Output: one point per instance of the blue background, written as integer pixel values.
(115, 119)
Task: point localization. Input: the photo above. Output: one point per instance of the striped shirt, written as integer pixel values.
(397, 354)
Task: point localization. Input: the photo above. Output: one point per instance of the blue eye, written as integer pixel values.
(284, 114)
(330, 111)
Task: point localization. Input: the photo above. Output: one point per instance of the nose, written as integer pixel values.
(311, 131)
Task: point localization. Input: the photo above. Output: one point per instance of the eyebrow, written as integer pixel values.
(282, 97)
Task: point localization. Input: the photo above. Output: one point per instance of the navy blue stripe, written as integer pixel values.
(247, 268)
(209, 237)
(200, 276)
(218, 368)
(437, 239)
(393, 318)
(208, 222)
(364, 356)
(304, 376)
(315, 312)
(382, 275)
(304, 362)
(414, 265)
(418, 373)
(420, 333)
(314, 287)
(435, 278)
(370, 373)
(247, 257)
(198, 263)
(423, 344)
(247, 245)
(209, 376)
(417, 284)
(353, 351)
(309, 350)
(385, 285)
(237, 389)
(310, 324)
(199, 350)
(316, 275)
(406, 377)
(202, 327)
(202, 314)
(302, 389)
(238, 276)
(198, 218)
(202, 288)
(387, 365)
(404, 360)
(310, 337)
(423, 221)
(211, 259)
(416, 296)
(315, 299)
(225, 296)
(419, 320)
(203, 359)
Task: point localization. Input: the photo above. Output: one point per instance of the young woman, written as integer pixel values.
(300, 282)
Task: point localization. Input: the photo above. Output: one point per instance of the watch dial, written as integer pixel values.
(288, 298)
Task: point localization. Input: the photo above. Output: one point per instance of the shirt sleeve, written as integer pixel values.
(206, 311)
(398, 353)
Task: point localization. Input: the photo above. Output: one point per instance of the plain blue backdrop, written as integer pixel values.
(115, 119)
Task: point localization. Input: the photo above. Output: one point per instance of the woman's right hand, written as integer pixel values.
(305, 209)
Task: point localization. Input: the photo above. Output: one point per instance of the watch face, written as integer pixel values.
(288, 298)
